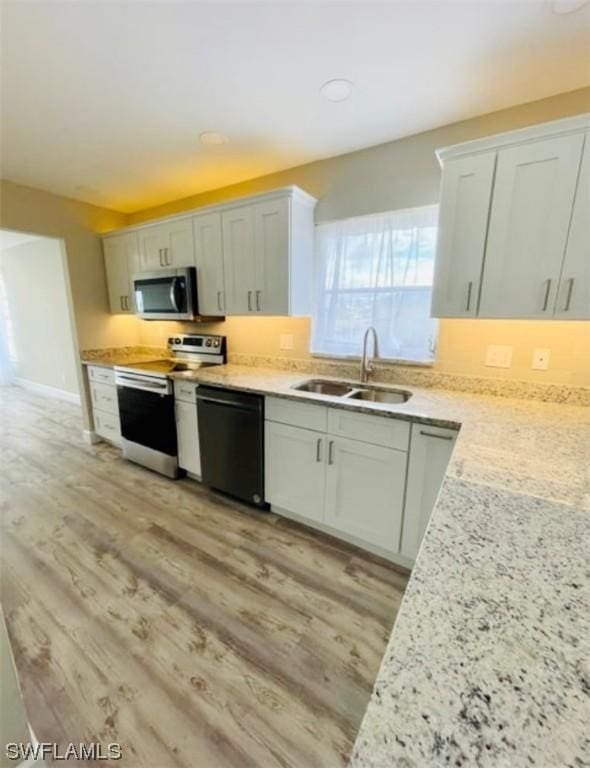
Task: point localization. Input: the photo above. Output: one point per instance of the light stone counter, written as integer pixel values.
(489, 660)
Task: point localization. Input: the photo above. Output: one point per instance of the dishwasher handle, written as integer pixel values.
(240, 400)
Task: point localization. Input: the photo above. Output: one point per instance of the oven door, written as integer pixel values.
(147, 415)
(166, 295)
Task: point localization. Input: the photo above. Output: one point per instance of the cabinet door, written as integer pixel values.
(529, 221)
(295, 472)
(209, 261)
(121, 261)
(365, 491)
(152, 244)
(430, 451)
(187, 432)
(573, 298)
(466, 194)
(179, 246)
(238, 260)
(271, 240)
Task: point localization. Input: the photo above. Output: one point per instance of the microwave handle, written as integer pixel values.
(173, 294)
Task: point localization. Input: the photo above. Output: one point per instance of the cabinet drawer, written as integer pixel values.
(297, 414)
(185, 391)
(104, 398)
(107, 425)
(378, 430)
(101, 375)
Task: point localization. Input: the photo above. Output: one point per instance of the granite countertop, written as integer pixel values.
(488, 663)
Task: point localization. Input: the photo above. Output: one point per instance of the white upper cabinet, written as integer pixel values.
(573, 296)
(464, 208)
(167, 245)
(271, 238)
(529, 222)
(253, 255)
(238, 260)
(514, 242)
(121, 257)
(209, 262)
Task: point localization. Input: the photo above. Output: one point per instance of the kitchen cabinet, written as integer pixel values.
(464, 208)
(253, 255)
(529, 222)
(167, 245)
(513, 231)
(353, 488)
(121, 257)
(430, 451)
(365, 491)
(238, 260)
(209, 262)
(187, 431)
(105, 405)
(573, 296)
(271, 239)
(294, 469)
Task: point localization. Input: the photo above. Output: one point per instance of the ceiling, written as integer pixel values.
(105, 101)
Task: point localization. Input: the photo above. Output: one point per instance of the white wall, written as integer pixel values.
(39, 311)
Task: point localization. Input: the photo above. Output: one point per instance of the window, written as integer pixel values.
(376, 270)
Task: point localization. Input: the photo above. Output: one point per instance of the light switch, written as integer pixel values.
(286, 341)
(541, 359)
(498, 356)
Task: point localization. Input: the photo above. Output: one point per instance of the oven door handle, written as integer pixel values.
(173, 299)
(132, 383)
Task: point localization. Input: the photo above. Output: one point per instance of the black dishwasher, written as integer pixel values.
(231, 437)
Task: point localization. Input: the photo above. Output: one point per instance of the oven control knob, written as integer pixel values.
(177, 340)
(215, 342)
(208, 342)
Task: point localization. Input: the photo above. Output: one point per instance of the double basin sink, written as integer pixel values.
(367, 393)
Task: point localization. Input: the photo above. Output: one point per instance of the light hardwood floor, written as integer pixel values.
(188, 628)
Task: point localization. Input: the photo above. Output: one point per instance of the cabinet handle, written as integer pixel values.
(258, 301)
(122, 303)
(331, 452)
(160, 255)
(167, 257)
(547, 290)
(318, 450)
(469, 290)
(568, 298)
(219, 300)
(433, 434)
(126, 302)
(249, 301)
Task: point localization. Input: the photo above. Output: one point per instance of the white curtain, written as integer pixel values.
(376, 270)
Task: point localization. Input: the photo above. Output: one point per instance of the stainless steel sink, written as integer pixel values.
(380, 395)
(322, 387)
(348, 391)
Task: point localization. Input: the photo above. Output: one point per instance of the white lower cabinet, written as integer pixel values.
(105, 405)
(430, 451)
(365, 491)
(187, 428)
(355, 475)
(294, 469)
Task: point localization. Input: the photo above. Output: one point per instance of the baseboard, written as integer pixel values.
(89, 436)
(47, 391)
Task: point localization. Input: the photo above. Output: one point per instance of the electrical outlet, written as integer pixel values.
(498, 356)
(541, 359)
(286, 341)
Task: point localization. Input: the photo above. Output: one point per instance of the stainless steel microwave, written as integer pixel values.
(169, 294)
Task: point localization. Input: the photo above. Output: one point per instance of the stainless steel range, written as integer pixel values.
(146, 400)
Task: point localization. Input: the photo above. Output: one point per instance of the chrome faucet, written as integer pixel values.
(366, 365)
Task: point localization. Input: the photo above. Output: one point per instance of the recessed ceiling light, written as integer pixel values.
(212, 138)
(561, 7)
(337, 89)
